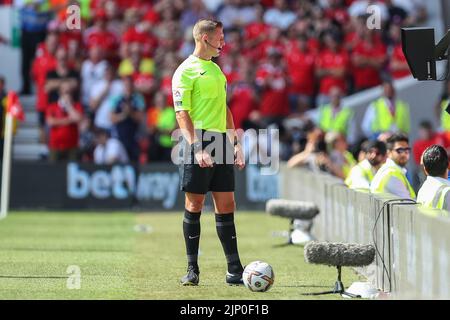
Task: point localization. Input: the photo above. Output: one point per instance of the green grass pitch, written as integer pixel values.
(118, 262)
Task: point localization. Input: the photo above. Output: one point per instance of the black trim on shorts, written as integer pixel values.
(219, 178)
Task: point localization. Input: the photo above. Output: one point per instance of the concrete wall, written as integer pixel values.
(414, 247)
(9, 56)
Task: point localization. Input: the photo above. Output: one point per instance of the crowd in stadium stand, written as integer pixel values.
(108, 85)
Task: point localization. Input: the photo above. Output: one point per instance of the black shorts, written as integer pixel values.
(219, 178)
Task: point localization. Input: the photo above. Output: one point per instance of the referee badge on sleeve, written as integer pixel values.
(177, 98)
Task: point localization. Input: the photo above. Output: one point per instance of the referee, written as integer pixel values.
(199, 92)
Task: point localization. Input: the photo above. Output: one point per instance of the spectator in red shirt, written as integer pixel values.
(100, 35)
(272, 43)
(337, 12)
(428, 137)
(331, 68)
(63, 118)
(142, 34)
(72, 40)
(271, 79)
(368, 58)
(114, 15)
(398, 65)
(256, 32)
(169, 66)
(302, 28)
(234, 44)
(301, 63)
(45, 62)
(355, 31)
(242, 99)
(230, 67)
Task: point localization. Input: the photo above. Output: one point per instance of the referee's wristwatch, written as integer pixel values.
(196, 146)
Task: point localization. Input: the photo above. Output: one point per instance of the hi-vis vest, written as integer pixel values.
(435, 199)
(433, 193)
(349, 163)
(362, 170)
(387, 172)
(445, 117)
(339, 123)
(384, 120)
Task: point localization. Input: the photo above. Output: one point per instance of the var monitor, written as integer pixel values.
(421, 52)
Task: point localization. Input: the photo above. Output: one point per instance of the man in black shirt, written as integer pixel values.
(126, 116)
(62, 73)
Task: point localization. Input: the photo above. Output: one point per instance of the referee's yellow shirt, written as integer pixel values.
(199, 87)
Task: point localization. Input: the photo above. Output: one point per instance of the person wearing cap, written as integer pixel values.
(391, 177)
(362, 174)
(434, 193)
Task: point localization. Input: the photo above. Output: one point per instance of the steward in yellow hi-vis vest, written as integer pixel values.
(441, 113)
(385, 119)
(386, 114)
(434, 193)
(445, 117)
(361, 175)
(391, 177)
(334, 117)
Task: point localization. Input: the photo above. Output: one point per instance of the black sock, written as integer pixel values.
(227, 235)
(191, 231)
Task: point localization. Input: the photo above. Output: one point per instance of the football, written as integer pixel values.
(258, 276)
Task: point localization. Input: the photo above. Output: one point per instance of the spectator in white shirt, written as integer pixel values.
(109, 150)
(434, 193)
(280, 16)
(102, 97)
(92, 71)
(229, 13)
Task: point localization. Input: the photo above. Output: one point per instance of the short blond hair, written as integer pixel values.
(203, 26)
